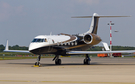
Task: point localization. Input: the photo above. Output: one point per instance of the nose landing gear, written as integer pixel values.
(37, 64)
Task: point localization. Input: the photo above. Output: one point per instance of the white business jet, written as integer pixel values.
(65, 44)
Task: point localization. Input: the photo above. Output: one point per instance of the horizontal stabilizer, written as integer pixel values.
(94, 22)
(97, 16)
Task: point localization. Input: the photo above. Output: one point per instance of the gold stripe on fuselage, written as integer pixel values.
(82, 45)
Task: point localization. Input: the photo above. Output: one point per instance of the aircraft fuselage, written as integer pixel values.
(60, 44)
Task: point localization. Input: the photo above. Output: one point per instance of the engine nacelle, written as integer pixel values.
(88, 38)
(92, 39)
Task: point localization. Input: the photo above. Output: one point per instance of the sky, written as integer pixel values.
(22, 20)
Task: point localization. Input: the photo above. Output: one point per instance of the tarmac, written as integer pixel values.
(72, 71)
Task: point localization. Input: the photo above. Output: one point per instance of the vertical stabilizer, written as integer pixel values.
(94, 24)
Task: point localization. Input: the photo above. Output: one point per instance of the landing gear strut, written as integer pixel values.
(38, 61)
(87, 60)
(57, 60)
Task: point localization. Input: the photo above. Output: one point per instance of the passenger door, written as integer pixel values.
(50, 42)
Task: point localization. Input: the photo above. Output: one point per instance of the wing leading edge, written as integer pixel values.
(20, 51)
(99, 52)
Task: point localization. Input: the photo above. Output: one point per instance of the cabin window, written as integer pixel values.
(53, 41)
(39, 40)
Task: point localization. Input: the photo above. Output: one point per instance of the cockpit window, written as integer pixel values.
(34, 40)
(39, 40)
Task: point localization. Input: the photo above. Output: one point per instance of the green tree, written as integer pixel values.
(2, 48)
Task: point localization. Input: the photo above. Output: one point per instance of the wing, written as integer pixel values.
(99, 52)
(20, 51)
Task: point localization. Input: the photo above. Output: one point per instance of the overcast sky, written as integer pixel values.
(22, 20)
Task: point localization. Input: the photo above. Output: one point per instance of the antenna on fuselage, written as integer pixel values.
(50, 33)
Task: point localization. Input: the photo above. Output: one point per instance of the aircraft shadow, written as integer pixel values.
(72, 64)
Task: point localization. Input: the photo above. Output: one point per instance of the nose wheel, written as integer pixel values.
(37, 64)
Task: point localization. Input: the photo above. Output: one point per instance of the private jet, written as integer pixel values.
(66, 44)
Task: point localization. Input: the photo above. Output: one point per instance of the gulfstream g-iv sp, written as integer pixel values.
(65, 44)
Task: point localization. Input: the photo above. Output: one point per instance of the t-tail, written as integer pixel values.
(94, 22)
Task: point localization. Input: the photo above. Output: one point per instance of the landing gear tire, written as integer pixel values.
(58, 62)
(37, 64)
(86, 62)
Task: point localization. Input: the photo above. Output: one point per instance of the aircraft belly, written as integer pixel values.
(85, 47)
(44, 50)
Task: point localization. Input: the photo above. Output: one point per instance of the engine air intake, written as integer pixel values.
(88, 38)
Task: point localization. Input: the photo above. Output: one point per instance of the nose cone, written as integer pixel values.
(32, 46)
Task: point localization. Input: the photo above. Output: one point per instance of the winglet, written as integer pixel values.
(106, 46)
(19, 51)
(6, 47)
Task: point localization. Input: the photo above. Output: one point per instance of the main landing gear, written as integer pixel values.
(37, 64)
(57, 60)
(87, 60)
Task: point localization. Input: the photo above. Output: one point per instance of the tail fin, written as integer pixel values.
(94, 22)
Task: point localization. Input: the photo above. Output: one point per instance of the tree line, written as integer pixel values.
(99, 48)
(15, 47)
(94, 48)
